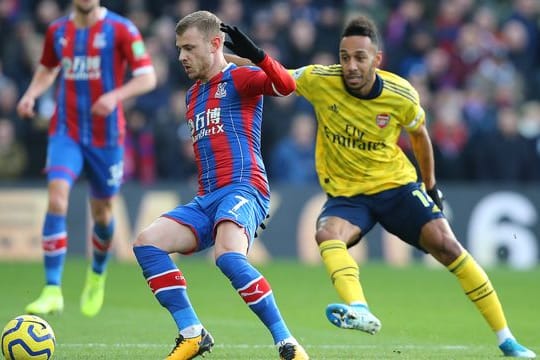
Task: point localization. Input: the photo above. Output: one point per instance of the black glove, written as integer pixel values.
(437, 196)
(242, 45)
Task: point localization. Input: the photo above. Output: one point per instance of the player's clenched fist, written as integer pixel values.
(25, 107)
(105, 104)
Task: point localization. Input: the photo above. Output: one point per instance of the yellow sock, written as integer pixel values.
(343, 271)
(478, 288)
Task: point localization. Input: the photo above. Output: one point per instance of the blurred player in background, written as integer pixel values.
(224, 112)
(368, 179)
(89, 50)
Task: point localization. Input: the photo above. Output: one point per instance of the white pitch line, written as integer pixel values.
(256, 346)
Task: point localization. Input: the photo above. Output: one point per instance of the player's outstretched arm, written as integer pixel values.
(281, 82)
(43, 78)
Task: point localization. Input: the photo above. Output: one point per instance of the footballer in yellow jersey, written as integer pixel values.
(360, 110)
(357, 150)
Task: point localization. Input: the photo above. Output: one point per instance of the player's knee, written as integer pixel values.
(323, 234)
(335, 228)
(319, 237)
(143, 238)
(101, 211)
(445, 250)
(58, 203)
(102, 218)
(348, 236)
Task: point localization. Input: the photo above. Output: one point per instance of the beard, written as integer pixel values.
(364, 87)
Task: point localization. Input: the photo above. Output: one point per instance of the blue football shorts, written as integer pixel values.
(239, 203)
(104, 167)
(402, 211)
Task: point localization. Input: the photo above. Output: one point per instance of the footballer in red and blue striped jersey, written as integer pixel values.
(224, 112)
(93, 60)
(89, 52)
(225, 116)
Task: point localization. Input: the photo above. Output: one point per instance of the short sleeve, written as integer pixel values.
(303, 79)
(49, 57)
(133, 49)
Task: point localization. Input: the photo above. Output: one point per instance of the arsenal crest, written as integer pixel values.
(382, 120)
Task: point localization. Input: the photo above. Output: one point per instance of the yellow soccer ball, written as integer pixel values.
(28, 337)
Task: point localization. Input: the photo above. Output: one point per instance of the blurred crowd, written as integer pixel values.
(476, 65)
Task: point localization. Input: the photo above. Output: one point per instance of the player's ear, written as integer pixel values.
(378, 58)
(216, 42)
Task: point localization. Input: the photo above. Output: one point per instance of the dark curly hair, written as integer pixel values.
(362, 26)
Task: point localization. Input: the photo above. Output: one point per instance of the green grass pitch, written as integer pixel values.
(424, 313)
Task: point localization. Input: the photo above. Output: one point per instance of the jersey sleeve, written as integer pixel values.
(417, 118)
(303, 78)
(414, 118)
(133, 49)
(415, 115)
(279, 82)
(48, 55)
(274, 80)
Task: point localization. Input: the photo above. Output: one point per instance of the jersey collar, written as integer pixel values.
(102, 14)
(375, 90)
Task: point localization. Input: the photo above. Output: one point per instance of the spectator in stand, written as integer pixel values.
(139, 156)
(329, 27)
(529, 127)
(467, 53)
(277, 111)
(280, 21)
(303, 9)
(186, 168)
(157, 100)
(174, 148)
(479, 114)
(22, 52)
(46, 12)
(302, 36)
(232, 12)
(503, 155)
(8, 98)
(524, 45)
(293, 159)
(406, 19)
(13, 155)
(438, 72)
(449, 135)
(450, 17)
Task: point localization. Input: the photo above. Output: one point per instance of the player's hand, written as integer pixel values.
(105, 104)
(25, 107)
(437, 196)
(242, 45)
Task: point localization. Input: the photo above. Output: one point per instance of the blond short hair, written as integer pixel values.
(206, 22)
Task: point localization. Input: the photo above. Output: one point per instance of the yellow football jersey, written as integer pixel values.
(357, 151)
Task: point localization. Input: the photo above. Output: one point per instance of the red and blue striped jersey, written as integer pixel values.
(93, 61)
(225, 118)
